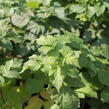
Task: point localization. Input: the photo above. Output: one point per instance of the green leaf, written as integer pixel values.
(12, 68)
(105, 95)
(55, 106)
(80, 95)
(15, 96)
(45, 49)
(87, 91)
(46, 40)
(90, 11)
(73, 82)
(20, 20)
(96, 104)
(103, 77)
(34, 85)
(89, 88)
(77, 8)
(2, 80)
(67, 99)
(58, 81)
(85, 62)
(1, 103)
(59, 12)
(32, 4)
(72, 59)
(34, 63)
(99, 8)
(7, 44)
(22, 51)
(34, 103)
(31, 64)
(76, 42)
(47, 2)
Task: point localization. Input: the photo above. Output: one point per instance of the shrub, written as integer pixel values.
(54, 54)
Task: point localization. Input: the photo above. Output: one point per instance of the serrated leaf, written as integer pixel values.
(12, 68)
(89, 87)
(46, 40)
(69, 102)
(58, 81)
(33, 64)
(45, 49)
(69, 99)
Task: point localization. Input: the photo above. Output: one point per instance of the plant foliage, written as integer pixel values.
(54, 54)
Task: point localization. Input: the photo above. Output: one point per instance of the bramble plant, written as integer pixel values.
(54, 54)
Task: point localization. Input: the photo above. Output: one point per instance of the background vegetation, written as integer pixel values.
(54, 54)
